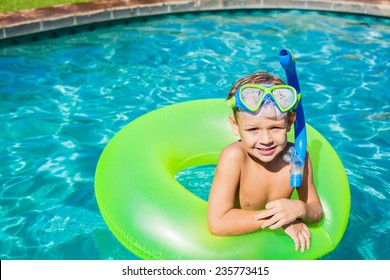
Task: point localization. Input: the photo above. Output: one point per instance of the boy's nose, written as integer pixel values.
(265, 138)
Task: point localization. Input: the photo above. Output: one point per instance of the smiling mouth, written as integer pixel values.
(266, 151)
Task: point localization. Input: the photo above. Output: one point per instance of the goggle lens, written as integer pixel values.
(284, 96)
(252, 96)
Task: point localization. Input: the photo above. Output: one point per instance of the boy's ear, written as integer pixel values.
(291, 119)
(233, 123)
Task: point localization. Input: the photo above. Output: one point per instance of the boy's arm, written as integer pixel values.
(308, 194)
(223, 218)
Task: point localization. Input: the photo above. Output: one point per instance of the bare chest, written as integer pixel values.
(258, 187)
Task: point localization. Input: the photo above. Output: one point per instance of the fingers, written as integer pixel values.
(279, 224)
(296, 242)
(272, 221)
(306, 230)
(264, 214)
(271, 204)
(302, 242)
(303, 239)
(307, 236)
(275, 222)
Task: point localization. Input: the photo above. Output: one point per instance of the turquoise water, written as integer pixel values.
(63, 99)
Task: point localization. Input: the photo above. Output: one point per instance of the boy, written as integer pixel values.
(251, 187)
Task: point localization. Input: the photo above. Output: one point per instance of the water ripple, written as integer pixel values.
(63, 99)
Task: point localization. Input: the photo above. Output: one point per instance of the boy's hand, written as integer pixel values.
(281, 212)
(300, 233)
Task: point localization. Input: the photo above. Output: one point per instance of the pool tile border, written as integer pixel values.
(15, 24)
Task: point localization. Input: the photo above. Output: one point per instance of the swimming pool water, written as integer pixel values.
(63, 99)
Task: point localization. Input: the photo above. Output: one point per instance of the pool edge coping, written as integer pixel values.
(28, 22)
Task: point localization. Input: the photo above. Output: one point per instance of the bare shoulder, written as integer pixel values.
(234, 152)
(230, 161)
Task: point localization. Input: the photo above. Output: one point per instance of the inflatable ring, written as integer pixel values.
(155, 217)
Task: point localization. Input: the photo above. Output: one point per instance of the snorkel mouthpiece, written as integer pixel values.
(297, 166)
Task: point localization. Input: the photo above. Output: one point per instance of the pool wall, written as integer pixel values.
(44, 20)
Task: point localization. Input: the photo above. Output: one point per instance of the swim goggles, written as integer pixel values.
(249, 97)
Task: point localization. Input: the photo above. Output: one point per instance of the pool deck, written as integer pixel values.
(14, 24)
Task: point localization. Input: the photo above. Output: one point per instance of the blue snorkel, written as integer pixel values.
(296, 156)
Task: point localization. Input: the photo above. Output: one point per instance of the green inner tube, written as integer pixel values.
(155, 217)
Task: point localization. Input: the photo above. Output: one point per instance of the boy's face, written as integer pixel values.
(263, 138)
